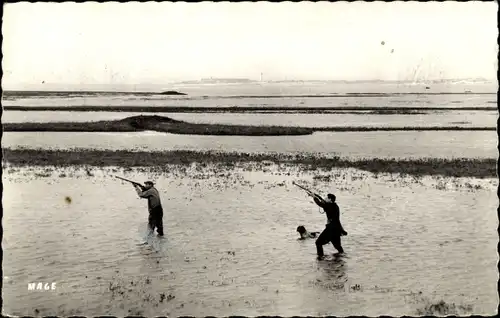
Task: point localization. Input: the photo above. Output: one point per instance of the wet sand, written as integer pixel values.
(413, 242)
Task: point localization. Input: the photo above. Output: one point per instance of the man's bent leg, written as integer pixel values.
(322, 240)
(157, 214)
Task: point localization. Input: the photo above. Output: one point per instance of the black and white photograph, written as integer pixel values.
(166, 159)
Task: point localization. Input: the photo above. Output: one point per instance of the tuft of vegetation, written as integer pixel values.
(479, 168)
(442, 308)
(433, 307)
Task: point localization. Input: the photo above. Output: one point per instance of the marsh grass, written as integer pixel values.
(169, 125)
(161, 124)
(441, 308)
(430, 306)
(479, 168)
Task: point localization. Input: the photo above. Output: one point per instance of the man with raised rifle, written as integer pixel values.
(333, 230)
(148, 191)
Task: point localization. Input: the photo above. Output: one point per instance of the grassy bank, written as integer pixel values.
(158, 123)
(250, 109)
(168, 125)
(481, 168)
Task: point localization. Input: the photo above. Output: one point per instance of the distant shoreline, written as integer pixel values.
(479, 168)
(243, 81)
(168, 125)
(172, 93)
(12, 93)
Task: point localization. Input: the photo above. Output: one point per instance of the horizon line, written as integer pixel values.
(248, 80)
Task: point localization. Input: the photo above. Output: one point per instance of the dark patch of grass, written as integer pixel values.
(168, 125)
(401, 111)
(326, 178)
(246, 109)
(161, 124)
(96, 126)
(480, 168)
(172, 93)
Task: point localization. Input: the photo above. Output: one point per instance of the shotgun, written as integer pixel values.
(133, 182)
(307, 190)
(314, 195)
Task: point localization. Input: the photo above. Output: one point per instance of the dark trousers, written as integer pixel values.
(155, 220)
(329, 234)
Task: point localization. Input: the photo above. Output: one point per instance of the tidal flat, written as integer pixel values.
(421, 231)
(419, 205)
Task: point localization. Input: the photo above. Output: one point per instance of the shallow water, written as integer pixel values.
(394, 101)
(298, 88)
(451, 118)
(396, 144)
(258, 94)
(405, 236)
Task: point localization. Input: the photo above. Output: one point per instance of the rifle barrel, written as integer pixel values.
(303, 188)
(133, 182)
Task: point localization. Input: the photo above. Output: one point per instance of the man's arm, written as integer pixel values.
(319, 201)
(142, 194)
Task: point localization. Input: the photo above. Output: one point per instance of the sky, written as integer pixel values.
(137, 43)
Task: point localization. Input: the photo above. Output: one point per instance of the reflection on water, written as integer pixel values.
(397, 144)
(333, 273)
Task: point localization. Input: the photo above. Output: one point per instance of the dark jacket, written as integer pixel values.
(153, 197)
(332, 211)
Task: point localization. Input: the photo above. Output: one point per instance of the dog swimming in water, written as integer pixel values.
(304, 234)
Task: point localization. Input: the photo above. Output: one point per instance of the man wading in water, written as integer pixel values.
(155, 219)
(334, 229)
